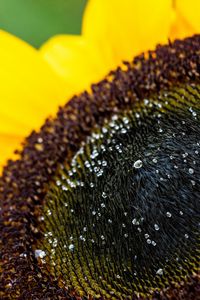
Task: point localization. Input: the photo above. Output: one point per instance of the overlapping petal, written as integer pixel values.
(77, 60)
(184, 24)
(190, 11)
(112, 32)
(129, 26)
(30, 91)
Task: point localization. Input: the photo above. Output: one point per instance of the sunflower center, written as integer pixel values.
(122, 215)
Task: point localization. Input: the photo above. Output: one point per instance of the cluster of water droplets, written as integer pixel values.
(86, 227)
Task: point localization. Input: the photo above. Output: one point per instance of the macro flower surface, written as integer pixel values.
(103, 202)
(35, 83)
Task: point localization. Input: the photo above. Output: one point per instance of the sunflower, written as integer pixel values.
(103, 200)
(35, 83)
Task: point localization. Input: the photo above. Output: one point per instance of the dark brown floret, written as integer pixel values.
(23, 183)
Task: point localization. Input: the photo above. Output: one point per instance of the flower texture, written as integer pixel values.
(35, 83)
(103, 201)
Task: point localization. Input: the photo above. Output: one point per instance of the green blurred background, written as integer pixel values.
(36, 20)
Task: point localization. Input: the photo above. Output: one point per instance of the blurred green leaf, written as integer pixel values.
(36, 20)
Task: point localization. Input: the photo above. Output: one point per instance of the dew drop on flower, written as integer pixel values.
(156, 227)
(159, 272)
(191, 171)
(40, 253)
(168, 214)
(137, 164)
(71, 247)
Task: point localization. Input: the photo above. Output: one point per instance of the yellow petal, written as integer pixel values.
(129, 26)
(76, 60)
(180, 28)
(8, 143)
(190, 11)
(30, 90)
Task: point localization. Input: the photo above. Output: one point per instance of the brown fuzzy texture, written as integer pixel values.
(23, 183)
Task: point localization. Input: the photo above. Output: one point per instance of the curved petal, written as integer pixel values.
(129, 26)
(190, 11)
(7, 145)
(180, 28)
(30, 90)
(76, 60)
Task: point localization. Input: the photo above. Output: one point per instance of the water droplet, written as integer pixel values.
(168, 214)
(194, 114)
(137, 115)
(125, 120)
(137, 164)
(104, 195)
(82, 238)
(156, 227)
(159, 272)
(135, 222)
(191, 171)
(123, 130)
(48, 212)
(104, 163)
(40, 253)
(71, 247)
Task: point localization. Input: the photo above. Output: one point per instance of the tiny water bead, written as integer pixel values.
(160, 272)
(191, 171)
(40, 253)
(137, 164)
(71, 247)
(156, 227)
(168, 214)
(125, 204)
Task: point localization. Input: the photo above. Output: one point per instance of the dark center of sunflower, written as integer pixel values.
(123, 214)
